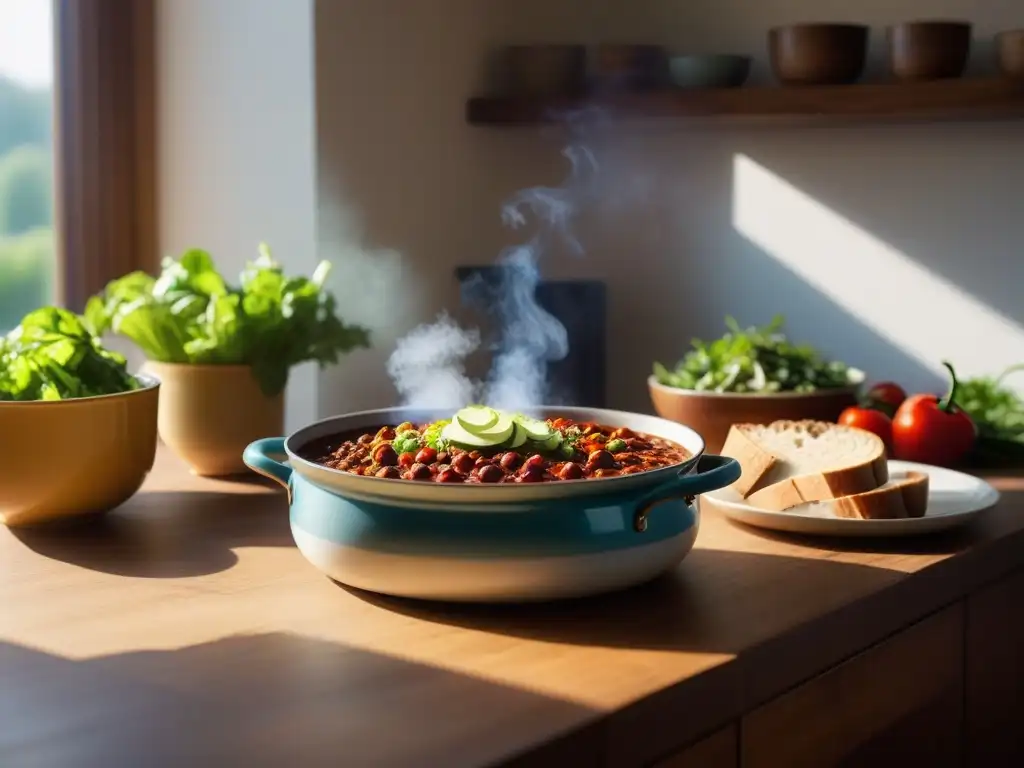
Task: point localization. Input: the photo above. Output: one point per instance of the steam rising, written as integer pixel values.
(428, 365)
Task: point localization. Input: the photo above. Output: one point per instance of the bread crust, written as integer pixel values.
(757, 463)
(902, 498)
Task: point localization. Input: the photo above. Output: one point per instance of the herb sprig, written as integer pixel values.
(998, 414)
(756, 360)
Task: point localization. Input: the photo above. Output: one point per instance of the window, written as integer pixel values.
(76, 149)
(27, 244)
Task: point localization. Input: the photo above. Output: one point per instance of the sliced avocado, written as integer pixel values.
(553, 441)
(500, 431)
(518, 436)
(537, 430)
(498, 434)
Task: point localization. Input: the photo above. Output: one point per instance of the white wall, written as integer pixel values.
(237, 139)
(406, 190)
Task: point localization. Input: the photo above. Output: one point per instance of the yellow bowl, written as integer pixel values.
(65, 458)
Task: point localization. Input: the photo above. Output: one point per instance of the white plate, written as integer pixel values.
(954, 499)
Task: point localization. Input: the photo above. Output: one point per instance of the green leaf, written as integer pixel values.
(754, 360)
(190, 314)
(53, 355)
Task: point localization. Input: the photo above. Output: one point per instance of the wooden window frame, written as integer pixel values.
(104, 143)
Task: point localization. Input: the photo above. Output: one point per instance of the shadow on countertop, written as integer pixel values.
(165, 534)
(681, 610)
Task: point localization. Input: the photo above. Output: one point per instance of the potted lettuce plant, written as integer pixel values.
(223, 352)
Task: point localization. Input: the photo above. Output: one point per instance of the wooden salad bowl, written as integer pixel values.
(712, 413)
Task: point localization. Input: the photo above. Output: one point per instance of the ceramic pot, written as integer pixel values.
(65, 458)
(507, 542)
(1010, 53)
(818, 54)
(209, 413)
(929, 50)
(715, 70)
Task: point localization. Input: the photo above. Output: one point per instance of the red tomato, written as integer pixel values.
(869, 420)
(886, 396)
(933, 431)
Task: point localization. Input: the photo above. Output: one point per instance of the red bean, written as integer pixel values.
(407, 459)
(385, 433)
(600, 459)
(483, 461)
(535, 462)
(443, 457)
(426, 455)
(623, 433)
(389, 472)
(511, 461)
(463, 463)
(418, 471)
(448, 476)
(489, 474)
(365, 439)
(385, 456)
(571, 471)
(530, 475)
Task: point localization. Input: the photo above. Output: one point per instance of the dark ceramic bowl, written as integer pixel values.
(631, 67)
(929, 50)
(818, 54)
(1010, 53)
(713, 70)
(544, 70)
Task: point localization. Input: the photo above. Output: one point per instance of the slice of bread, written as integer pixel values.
(786, 463)
(905, 495)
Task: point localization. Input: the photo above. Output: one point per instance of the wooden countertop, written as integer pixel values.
(186, 629)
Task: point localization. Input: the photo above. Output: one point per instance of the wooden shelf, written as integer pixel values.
(968, 99)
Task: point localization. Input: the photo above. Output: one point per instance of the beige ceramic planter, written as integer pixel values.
(210, 413)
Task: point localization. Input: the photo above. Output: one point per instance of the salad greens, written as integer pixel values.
(756, 361)
(52, 355)
(998, 413)
(190, 314)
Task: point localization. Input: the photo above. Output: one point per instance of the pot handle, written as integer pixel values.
(258, 457)
(711, 473)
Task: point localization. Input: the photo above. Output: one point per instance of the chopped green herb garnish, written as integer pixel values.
(432, 435)
(408, 441)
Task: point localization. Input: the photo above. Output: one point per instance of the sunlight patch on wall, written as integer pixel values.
(921, 313)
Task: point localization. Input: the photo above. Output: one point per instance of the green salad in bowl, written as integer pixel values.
(751, 375)
(78, 430)
(52, 355)
(756, 361)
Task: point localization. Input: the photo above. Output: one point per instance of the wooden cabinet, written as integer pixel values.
(995, 674)
(902, 697)
(719, 750)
